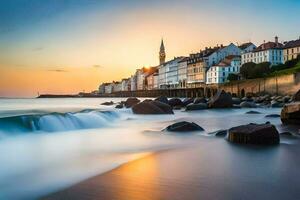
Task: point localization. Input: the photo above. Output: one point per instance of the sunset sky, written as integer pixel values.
(67, 46)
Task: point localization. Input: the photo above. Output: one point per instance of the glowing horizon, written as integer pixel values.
(71, 46)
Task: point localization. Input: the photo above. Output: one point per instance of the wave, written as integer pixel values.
(54, 122)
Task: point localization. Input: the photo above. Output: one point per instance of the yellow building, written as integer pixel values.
(291, 50)
(196, 70)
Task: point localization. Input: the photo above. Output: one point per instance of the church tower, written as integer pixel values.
(162, 53)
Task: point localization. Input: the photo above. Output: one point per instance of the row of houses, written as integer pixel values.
(211, 65)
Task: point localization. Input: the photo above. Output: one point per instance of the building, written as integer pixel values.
(108, 88)
(101, 89)
(267, 52)
(182, 73)
(116, 86)
(212, 56)
(291, 50)
(196, 69)
(125, 84)
(218, 73)
(162, 53)
(152, 79)
(247, 47)
(133, 83)
(168, 74)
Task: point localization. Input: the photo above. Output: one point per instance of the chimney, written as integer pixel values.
(221, 45)
(276, 40)
(263, 46)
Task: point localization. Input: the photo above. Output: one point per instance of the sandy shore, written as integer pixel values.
(192, 173)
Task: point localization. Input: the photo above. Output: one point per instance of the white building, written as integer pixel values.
(168, 73)
(218, 73)
(267, 52)
(125, 84)
(108, 88)
(117, 87)
(182, 73)
(133, 83)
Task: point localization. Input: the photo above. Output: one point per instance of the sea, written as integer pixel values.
(47, 145)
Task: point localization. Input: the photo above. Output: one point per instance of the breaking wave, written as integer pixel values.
(54, 122)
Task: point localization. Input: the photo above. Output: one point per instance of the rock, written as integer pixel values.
(236, 101)
(290, 113)
(221, 133)
(131, 101)
(286, 133)
(162, 99)
(220, 100)
(200, 100)
(184, 127)
(296, 96)
(273, 116)
(175, 102)
(108, 103)
(276, 104)
(286, 99)
(119, 106)
(177, 108)
(247, 99)
(253, 112)
(187, 101)
(199, 106)
(248, 104)
(152, 107)
(254, 134)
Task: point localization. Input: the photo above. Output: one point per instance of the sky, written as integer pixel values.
(69, 46)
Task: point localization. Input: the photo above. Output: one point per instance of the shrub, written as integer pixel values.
(232, 77)
(246, 69)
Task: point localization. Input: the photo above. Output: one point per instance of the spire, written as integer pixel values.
(162, 46)
(162, 53)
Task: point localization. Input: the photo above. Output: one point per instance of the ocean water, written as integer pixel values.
(50, 144)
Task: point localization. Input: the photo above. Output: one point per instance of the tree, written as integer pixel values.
(246, 69)
(232, 77)
(260, 70)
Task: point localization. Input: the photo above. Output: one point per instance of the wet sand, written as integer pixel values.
(212, 169)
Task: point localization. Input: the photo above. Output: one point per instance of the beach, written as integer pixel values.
(235, 172)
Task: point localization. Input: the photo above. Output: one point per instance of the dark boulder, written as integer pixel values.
(254, 134)
(175, 102)
(119, 106)
(220, 100)
(290, 113)
(248, 104)
(131, 101)
(220, 133)
(236, 100)
(162, 99)
(253, 112)
(187, 101)
(200, 100)
(199, 106)
(296, 96)
(152, 107)
(184, 127)
(272, 116)
(276, 104)
(108, 103)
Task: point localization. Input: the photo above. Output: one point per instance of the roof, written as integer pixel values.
(175, 58)
(227, 60)
(268, 45)
(291, 44)
(245, 45)
(184, 59)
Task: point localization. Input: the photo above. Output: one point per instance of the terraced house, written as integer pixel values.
(291, 50)
(267, 52)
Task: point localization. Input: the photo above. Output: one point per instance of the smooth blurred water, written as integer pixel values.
(50, 144)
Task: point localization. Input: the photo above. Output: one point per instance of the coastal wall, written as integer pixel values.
(279, 85)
